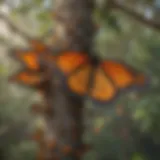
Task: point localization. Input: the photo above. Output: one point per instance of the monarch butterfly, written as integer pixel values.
(31, 57)
(101, 80)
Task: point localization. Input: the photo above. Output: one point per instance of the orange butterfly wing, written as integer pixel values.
(41, 48)
(122, 75)
(29, 58)
(102, 88)
(27, 77)
(78, 81)
(69, 61)
(106, 81)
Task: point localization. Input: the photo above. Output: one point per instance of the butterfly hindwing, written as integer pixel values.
(102, 89)
(78, 81)
(31, 58)
(28, 78)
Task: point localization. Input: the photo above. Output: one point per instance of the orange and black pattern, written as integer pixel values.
(30, 58)
(85, 76)
(100, 80)
(34, 72)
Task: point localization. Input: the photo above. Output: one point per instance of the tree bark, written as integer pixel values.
(74, 24)
(63, 135)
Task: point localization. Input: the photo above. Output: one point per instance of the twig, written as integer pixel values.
(13, 27)
(135, 15)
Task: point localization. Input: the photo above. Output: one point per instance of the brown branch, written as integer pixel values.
(135, 15)
(13, 27)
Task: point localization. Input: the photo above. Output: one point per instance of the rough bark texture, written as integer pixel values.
(74, 27)
(63, 136)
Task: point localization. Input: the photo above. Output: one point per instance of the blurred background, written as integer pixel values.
(127, 130)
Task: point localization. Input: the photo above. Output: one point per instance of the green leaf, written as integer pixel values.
(138, 156)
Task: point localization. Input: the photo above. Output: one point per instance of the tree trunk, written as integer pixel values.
(64, 119)
(74, 25)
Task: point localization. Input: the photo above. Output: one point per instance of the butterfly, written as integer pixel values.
(34, 73)
(100, 80)
(31, 58)
(85, 75)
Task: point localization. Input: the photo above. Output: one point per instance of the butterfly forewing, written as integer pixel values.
(70, 61)
(28, 58)
(31, 58)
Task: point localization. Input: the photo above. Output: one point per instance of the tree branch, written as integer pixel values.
(13, 27)
(150, 22)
